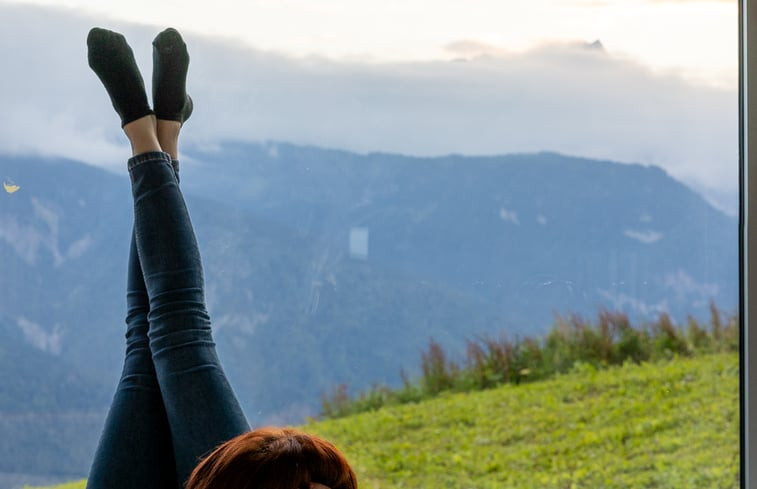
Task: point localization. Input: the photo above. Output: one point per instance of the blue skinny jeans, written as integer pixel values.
(173, 403)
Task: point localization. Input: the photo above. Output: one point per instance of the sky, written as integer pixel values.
(697, 36)
(410, 76)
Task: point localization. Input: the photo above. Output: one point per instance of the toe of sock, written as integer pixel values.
(103, 37)
(95, 35)
(168, 39)
(102, 45)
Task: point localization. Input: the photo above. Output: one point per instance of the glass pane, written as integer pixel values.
(496, 241)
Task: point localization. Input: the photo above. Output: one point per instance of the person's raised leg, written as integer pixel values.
(135, 449)
(202, 409)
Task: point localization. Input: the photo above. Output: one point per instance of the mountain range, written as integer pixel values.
(326, 267)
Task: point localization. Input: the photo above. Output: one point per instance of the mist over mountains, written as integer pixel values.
(327, 267)
(563, 96)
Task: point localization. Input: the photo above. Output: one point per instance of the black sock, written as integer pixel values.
(169, 77)
(112, 60)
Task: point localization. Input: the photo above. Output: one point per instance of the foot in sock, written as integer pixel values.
(169, 77)
(112, 60)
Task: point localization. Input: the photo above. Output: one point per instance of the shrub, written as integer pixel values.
(571, 343)
(438, 373)
(668, 339)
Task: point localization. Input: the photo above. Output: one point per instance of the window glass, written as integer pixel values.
(497, 242)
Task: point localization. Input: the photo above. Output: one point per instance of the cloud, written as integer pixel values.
(469, 48)
(559, 97)
(52, 104)
(731, 2)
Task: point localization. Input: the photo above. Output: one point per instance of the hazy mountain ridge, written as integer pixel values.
(546, 213)
(454, 247)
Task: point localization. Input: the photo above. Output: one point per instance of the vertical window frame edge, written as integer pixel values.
(747, 248)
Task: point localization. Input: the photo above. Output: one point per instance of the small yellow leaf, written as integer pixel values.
(10, 187)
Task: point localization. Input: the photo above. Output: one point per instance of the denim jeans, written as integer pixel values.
(173, 403)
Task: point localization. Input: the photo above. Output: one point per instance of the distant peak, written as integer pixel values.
(596, 45)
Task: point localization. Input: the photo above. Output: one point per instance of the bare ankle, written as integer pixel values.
(168, 136)
(142, 134)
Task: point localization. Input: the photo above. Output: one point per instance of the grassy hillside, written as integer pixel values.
(70, 485)
(672, 424)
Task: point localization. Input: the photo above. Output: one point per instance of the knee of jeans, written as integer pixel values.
(184, 350)
(178, 308)
(184, 282)
(144, 381)
(177, 298)
(177, 317)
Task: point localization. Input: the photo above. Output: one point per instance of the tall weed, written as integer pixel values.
(572, 342)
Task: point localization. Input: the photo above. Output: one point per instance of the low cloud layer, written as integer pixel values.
(571, 98)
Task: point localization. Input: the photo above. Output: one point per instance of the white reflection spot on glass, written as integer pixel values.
(508, 215)
(359, 243)
(643, 236)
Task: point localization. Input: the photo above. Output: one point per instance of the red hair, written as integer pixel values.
(273, 458)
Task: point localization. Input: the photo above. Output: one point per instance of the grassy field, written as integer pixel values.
(664, 425)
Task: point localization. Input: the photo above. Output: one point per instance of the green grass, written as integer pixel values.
(672, 424)
(69, 485)
(669, 425)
